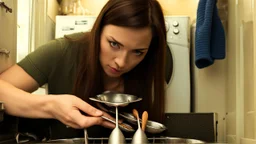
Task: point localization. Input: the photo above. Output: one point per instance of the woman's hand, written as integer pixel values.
(66, 108)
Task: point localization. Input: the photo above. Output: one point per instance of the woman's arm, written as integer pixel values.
(16, 76)
(20, 103)
(15, 85)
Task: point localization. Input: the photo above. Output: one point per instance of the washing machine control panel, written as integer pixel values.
(175, 23)
(178, 30)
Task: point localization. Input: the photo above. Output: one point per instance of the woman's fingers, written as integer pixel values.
(87, 108)
(85, 121)
(68, 111)
(108, 124)
(82, 121)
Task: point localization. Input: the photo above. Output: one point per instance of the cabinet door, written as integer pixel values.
(8, 34)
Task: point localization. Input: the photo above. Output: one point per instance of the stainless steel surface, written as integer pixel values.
(115, 99)
(116, 136)
(139, 137)
(122, 126)
(151, 127)
(154, 140)
(182, 140)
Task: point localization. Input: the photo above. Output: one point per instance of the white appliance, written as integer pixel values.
(73, 24)
(178, 41)
(178, 98)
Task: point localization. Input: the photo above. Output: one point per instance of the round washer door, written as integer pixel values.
(169, 65)
(177, 90)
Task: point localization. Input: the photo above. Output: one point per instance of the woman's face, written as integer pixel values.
(123, 48)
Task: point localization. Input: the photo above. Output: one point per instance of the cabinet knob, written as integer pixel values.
(5, 51)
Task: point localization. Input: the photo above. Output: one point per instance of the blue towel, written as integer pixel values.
(210, 35)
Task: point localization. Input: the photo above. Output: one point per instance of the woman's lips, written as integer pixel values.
(114, 70)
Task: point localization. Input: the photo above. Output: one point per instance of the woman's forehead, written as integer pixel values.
(134, 37)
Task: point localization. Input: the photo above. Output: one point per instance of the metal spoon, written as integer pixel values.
(139, 137)
(116, 136)
(122, 126)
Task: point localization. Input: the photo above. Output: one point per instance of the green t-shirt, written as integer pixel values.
(55, 64)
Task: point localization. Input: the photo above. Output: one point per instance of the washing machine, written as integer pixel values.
(178, 95)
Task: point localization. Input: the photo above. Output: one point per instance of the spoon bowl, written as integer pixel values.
(115, 99)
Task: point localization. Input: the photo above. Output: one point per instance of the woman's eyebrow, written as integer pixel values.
(123, 45)
(117, 41)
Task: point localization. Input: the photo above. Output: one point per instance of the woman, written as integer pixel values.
(124, 52)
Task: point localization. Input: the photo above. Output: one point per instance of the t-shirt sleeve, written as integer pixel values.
(40, 63)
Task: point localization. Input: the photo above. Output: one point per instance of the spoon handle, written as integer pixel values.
(116, 117)
(144, 120)
(136, 115)
(85, 136)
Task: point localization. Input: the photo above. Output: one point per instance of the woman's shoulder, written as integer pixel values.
(75, 36)
(74, 41)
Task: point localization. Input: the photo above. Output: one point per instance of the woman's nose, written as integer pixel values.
(121, 60)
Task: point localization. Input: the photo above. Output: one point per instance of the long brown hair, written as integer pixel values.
(146, 80)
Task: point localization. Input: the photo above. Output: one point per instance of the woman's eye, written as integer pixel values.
(138, 53)
(114, 44)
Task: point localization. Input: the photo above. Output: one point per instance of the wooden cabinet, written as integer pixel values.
(8, 42)
(8, 35)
